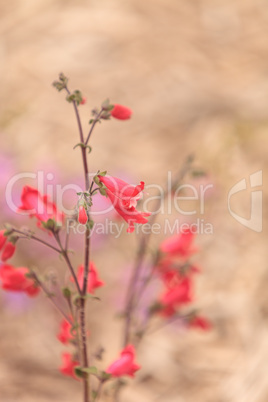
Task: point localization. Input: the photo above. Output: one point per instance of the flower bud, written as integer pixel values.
(121, 112)
(2, 239)
(82, 215)
(8, 251)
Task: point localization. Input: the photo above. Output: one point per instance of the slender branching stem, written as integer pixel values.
(84, 349)
(65, 255)
(28, 235)
(132, 296)
(93, 125)
(49, 295)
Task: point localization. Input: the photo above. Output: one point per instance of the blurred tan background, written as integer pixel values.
(195, 74)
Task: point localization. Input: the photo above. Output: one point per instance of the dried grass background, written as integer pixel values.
(195, 74)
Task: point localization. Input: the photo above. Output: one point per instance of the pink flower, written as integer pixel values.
(125, 364)
(180, 244)
(8, 251)
(65, 335)
(68, 365)
(15, 279)
(39, 206)
(93, 281)
(82, 215)
(2, 239)
(172, 274)
(178, 293)
(124, 198)
(121, 112)
(200, 322)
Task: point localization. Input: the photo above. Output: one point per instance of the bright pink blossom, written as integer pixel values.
(82, 215)
(172, 274)
(93, 281)
(8, 251)
(124, 198)
(15, 279)
(68, 365)
(125, 365)
(2, 239)
(180, 245)
(65, 335)
(121, 112)
(178, 292)
(39, 205)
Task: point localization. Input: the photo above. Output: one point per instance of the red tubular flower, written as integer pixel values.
(8, 251)
(177, 294)
(82, 215)
(39, 206)
(180, 244)
(124, 198)
(68, 365)
(121, 112)
(15, 279)
(65, 335)
(172, 275)
(2, 239)
(93, 281)
(125, 364)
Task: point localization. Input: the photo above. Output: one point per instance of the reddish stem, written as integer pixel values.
(86, 379)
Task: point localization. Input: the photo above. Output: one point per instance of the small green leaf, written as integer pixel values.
(67, 293)
(90, 224)
(91, 370)
(110, 107)
(103, 173)
(82, 145)
(89, 296)
(63, 78)
(9, 229)
(105, 376)
(78, 96)
(79, 372)
(13, 239)
(105, 104)
(70, 98)
(105, 115)
(49, 224)
(58, 85)
(96, 180)
(103, 191)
